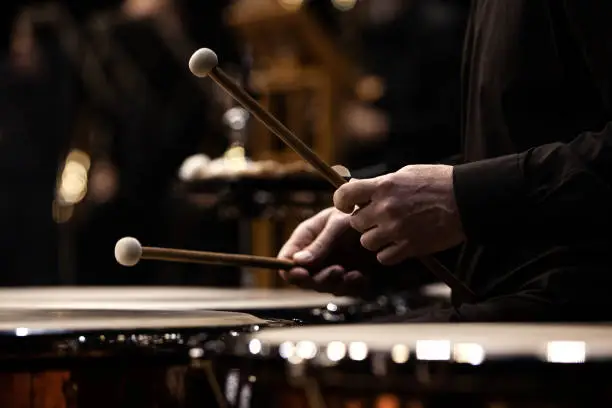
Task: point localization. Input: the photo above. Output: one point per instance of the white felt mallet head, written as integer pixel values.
(341, 170)
(202, 62)
(128, 251)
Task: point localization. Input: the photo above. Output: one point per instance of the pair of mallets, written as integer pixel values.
(204, 63)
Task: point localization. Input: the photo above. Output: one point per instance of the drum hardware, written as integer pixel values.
(311, 390)
(112, 358)
(427, 365)
(207, 369)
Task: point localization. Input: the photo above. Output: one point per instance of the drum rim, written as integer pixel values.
(75, 321)
(402, 351)
(49, 296)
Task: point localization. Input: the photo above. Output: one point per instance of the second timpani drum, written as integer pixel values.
(91, 359)
(423, 365)
(283, 304)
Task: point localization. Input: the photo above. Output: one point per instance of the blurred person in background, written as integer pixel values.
(37, 102)
(413, 48)
(164, 117)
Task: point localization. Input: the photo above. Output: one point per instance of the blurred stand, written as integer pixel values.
(408, 106)
(300, 74)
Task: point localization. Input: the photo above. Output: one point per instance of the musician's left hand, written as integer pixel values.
(406, 214)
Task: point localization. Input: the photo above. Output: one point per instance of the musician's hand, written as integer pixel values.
(410, 213)
(320, 244)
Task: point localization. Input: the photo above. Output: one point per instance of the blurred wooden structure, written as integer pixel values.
(301, 77)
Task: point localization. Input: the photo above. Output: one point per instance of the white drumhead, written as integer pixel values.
(170, 298)
(26, 322)
(443, 341)
(437, 290)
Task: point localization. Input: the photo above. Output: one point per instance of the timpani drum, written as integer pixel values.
(91, 359)
(305, 307)
(423, 365)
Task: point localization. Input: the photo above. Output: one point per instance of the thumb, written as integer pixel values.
(354, 193)
(321, 246)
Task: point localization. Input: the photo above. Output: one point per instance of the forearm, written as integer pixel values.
(555, 192)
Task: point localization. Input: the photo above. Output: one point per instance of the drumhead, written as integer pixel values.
(449, 341)
(28, 322)
(169, 298)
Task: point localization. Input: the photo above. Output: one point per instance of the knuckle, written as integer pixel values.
(356, 224)
(385, 207)
(386, 184)
(339, 218)
(394, 229)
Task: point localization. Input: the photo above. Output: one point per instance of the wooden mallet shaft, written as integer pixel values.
(214, 258)
(129, 252)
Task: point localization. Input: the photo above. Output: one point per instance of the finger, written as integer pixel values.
(329, 280)
(394, 254)
(299, 277)
(375, 239)
(300, 237)
(356, 192)
(354, 284)
(320, 247)
(303, 235)
(364, 218)
(286, 253)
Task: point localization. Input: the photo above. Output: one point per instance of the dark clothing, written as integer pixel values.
(537, 91)
(422, 98)
(36, 116)
(422, 92)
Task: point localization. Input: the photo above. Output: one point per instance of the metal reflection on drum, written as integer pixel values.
(21, 331)
(336, 351)
(286, 350)
(568, 352)
(255, 346)
(433, 350)
(400, 354)
(332, 307)
(468, 353)
(306, 350)
(358, 351)
(196, 353)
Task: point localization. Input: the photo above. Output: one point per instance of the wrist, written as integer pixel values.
(453, 207)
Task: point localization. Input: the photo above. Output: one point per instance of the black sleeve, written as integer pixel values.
(553, 191)
(557, 192)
